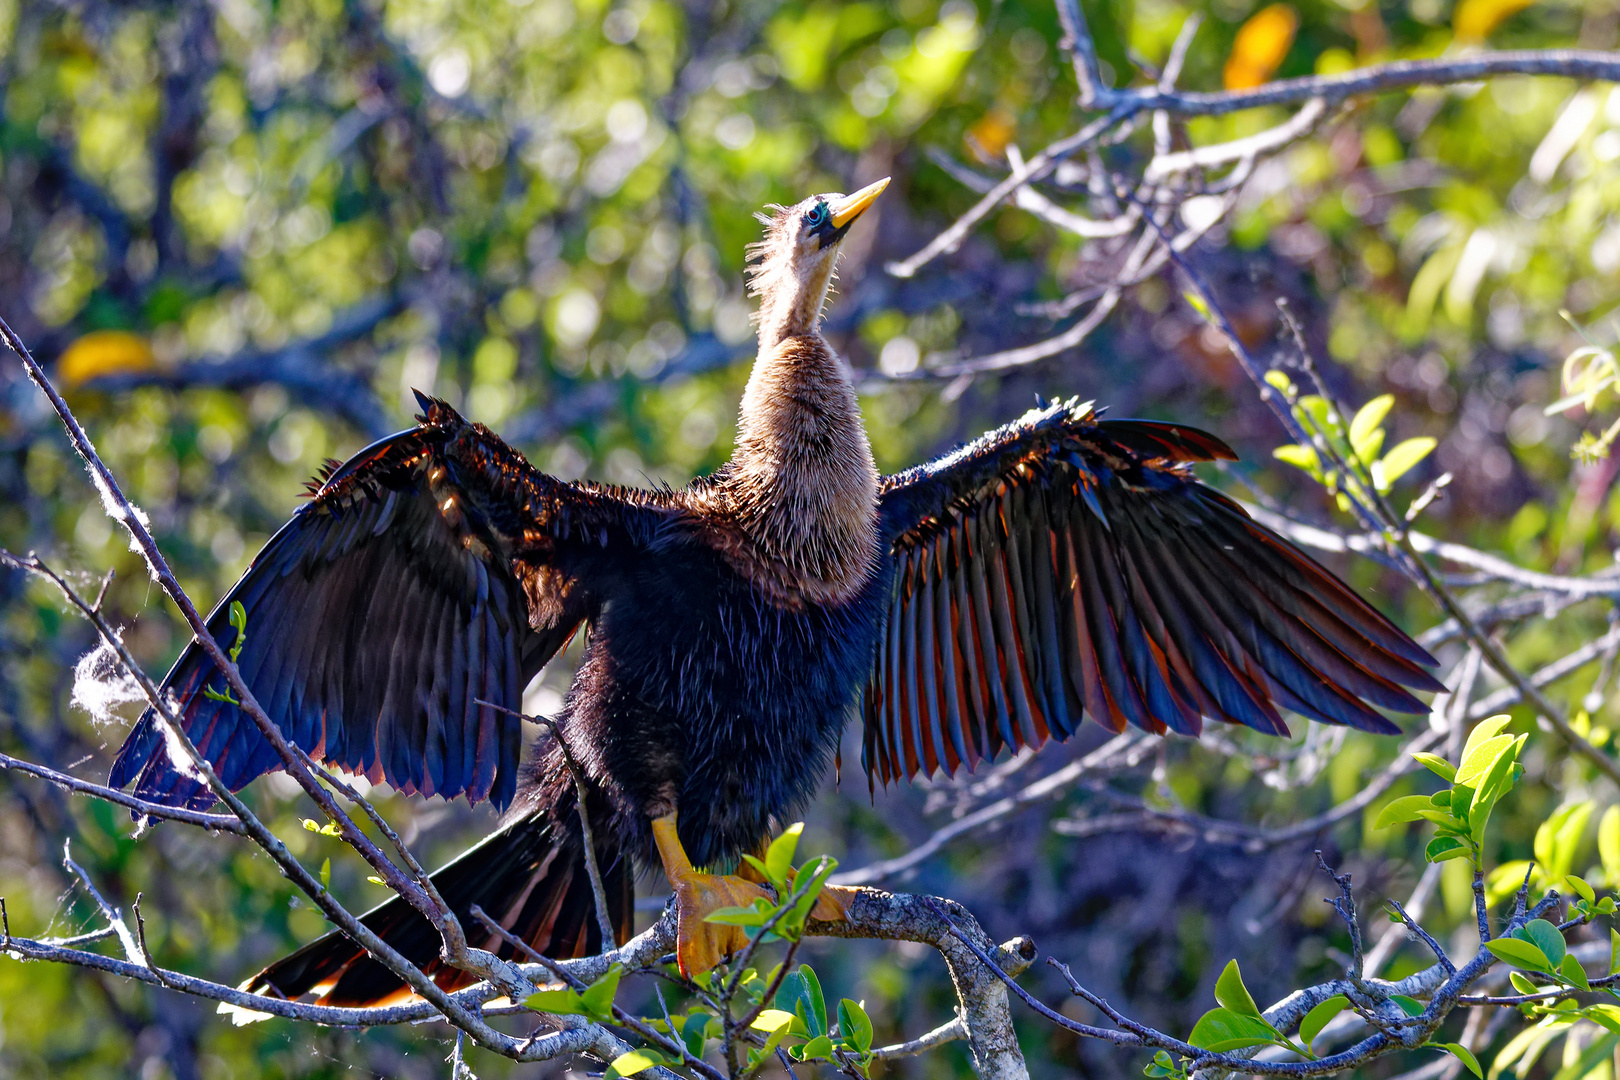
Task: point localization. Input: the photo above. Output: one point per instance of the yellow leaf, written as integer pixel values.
(1260, 47)
(103, 352)
(1475, 19)
(988, 136)
(772, 1019)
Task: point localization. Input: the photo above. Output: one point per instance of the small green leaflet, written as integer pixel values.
(1317, 1018)
(1222, 1029)
(1437, 765)
(854, 1026)
(1400, 460)
(1409, 1005)
(1366, 434)
(1398, 811)
(1520, 954)
(1462, 1054)
(1232, 994)
(779, 857)
(596, 1000)
(1545, 937)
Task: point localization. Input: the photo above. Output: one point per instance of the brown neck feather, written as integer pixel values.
(802, 482)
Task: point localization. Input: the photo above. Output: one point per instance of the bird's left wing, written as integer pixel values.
(1065, 565)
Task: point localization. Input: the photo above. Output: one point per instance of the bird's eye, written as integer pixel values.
(816, 217)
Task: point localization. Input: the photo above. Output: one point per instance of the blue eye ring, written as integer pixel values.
(817, 216)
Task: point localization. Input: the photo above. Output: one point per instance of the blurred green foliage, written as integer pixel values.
(291, 213)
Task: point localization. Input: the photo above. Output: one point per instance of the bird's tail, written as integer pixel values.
(530, 876)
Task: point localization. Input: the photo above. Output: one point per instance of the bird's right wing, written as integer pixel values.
(433, 570)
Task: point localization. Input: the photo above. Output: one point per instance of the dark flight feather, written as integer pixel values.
(1102, 577)
(389, 606)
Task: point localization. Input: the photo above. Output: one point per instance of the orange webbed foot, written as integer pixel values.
(700, 945)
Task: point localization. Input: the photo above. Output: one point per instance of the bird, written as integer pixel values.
(1064, 565)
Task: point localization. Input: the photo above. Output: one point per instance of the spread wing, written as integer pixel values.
(433, 570)
(1066, 565)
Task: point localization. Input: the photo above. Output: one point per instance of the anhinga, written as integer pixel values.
(1063, 565)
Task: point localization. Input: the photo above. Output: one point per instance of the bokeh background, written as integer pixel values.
(239, 232)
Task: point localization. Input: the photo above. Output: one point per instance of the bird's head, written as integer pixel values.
(795, 260)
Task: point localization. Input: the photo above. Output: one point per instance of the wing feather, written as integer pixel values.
(1067, 565)
(389, 606)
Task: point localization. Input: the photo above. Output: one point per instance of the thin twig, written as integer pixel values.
(604, 918)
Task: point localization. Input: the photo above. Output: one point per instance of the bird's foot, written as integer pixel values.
(701, 945)
(834, 902)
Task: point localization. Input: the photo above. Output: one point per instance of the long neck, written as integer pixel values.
(803, 469)
(790, 306)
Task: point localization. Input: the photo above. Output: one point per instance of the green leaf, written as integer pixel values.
(818, 1047)
(1559, 838)
(1318, 1017)
(1280, 380)
(1614, 951)
(1600, 1051)
(1232, 994)
(1496, 783)
(695, 1032)
(1409, 1005)
(1609, 845)
(796, 995)
(1521, 954)
(1582, 888)
(239, 621)
(1545, 937)
(1478, 761)
(1321, 413)
(1437, 765)
(329, 829)
(1444, 848)
(1570, 968)
(1504, 880)
(779, 857)
(854, 1025)
(1400, 460)
(558, 1002)
(1196, 302)
(1303, 457)
(1397, 811)
(1462, 800)
(598, 997)
(1488, 728)
(756, 914)
(635, 1061)
(1527, 1045)
(1366, 426)
(1522, 984)
(326, 874)
(1606, 1015)
(758, 1056)
(1163, 1064)
(1222, 1029)
(1462, 1054)
(819, 871)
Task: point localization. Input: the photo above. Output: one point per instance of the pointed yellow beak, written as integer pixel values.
(850, 207)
